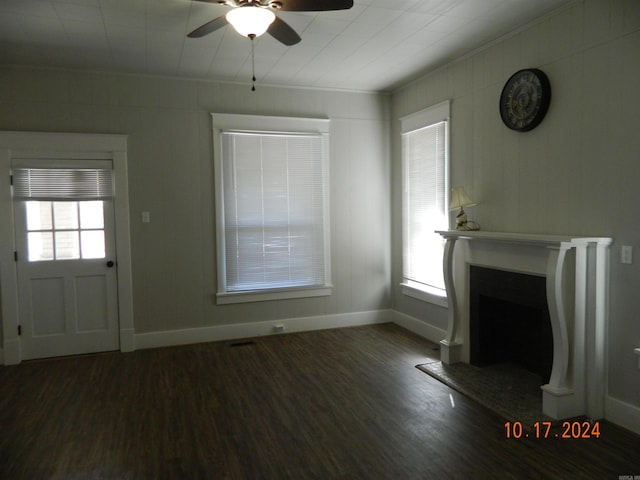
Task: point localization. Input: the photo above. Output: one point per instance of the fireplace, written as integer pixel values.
(530, 284)
(509, 320)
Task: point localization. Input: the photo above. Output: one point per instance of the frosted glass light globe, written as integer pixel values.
(250, 20)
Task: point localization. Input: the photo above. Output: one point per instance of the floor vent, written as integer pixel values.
(242, 344)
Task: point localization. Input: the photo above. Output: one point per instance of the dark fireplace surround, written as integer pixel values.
(509, 320)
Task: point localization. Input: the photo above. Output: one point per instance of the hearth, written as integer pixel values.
(509, 320)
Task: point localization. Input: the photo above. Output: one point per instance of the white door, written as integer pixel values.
(66, 262)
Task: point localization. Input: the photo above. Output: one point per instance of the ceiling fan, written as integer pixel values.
(252, 18)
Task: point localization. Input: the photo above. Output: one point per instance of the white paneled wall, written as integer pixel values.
(577, 173)
(171, 176)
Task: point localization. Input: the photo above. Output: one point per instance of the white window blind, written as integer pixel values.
(62, 183)
(425, 179)
(274, 225)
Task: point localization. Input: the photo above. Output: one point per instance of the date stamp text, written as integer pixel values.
(543, 430)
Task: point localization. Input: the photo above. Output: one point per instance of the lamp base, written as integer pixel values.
(461, 220)
(463, 225)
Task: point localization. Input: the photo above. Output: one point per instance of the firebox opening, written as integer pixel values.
(510, 320)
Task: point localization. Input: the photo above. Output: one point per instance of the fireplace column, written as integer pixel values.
(581, 389)
(450, 347)
(558, 394)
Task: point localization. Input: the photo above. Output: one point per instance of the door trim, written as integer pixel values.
(73, 145)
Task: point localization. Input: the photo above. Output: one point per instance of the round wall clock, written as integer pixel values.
(525, 99)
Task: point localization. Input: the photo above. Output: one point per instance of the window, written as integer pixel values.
(425, 148)
(65, 230)
(271, 207)
(64, 211)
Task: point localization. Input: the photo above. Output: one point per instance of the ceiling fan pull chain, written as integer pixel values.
(253, 64)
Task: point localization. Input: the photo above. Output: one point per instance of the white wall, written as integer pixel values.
(171, 176)
(577, 173)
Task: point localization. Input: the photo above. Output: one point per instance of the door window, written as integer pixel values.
(65, 230)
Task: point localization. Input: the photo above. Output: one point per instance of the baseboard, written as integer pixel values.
(419, 327)
(259, 329)
(622, 413)
(10, 352)
(127, 340)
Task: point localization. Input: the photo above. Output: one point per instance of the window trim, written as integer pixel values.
(268, 125)
(410, 123)
(424, 293)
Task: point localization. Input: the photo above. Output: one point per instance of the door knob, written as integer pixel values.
(110, 263)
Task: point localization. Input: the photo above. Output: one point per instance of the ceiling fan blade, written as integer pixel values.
(281, 31)
(314, 5)
(209, 27)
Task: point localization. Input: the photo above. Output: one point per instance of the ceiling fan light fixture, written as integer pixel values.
(250, 20)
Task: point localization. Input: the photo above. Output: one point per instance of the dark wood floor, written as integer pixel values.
(334, 404)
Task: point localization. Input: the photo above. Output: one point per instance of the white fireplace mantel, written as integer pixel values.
(577, 272)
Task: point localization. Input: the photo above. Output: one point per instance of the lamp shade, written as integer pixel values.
(250, 20)
(460, 199)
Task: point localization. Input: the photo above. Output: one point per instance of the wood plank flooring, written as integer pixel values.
(333, 404)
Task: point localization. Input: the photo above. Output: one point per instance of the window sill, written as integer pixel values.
(225, 298)
(435, 296)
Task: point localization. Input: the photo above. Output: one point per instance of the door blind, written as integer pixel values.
(62, 183)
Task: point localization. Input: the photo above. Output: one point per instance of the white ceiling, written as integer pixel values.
(375, 46)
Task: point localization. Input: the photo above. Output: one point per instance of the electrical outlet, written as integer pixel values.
(278, 328)
(626, 254)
